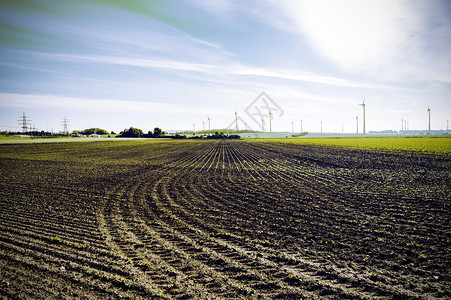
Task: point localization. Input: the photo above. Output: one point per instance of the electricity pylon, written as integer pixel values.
(65, 123)
(24, 121)
(363, 105)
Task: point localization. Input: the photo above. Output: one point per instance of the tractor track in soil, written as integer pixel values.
(223, 219)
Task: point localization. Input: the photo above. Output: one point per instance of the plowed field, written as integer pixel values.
(222, 219)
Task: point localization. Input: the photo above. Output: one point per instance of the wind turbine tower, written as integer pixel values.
(270, 123)
(208, 122)
(302, 129)
(236, 121)
(363, 105)
(357, 123)
(429, 114)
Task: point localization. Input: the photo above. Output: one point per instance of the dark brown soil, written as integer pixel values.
(222, 219)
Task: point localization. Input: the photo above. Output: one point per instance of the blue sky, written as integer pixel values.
(116, 64)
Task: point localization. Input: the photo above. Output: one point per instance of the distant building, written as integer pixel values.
(95, 135)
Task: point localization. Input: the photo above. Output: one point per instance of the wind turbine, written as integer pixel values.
(429, 114)
(363, 105)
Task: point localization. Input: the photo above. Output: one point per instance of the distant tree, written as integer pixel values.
(94, 130)
(178, 136)
(217, 136)
(149, 134)
(221, 135)
(112, 132)
(101, 131)
(131, 132)
(157, 132)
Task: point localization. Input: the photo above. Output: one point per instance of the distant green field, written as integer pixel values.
(7, 137)
(417, 144)
(439, 145)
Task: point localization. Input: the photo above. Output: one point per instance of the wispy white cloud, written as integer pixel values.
(145, 63)
(351, 32)
(221, 8)
(302, 76)
(390, 40)
(8, 100)
(225, 67)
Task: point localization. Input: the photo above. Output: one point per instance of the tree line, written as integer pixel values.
(130, 132)
(91, 131)
(136, 132)
(158, 133)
